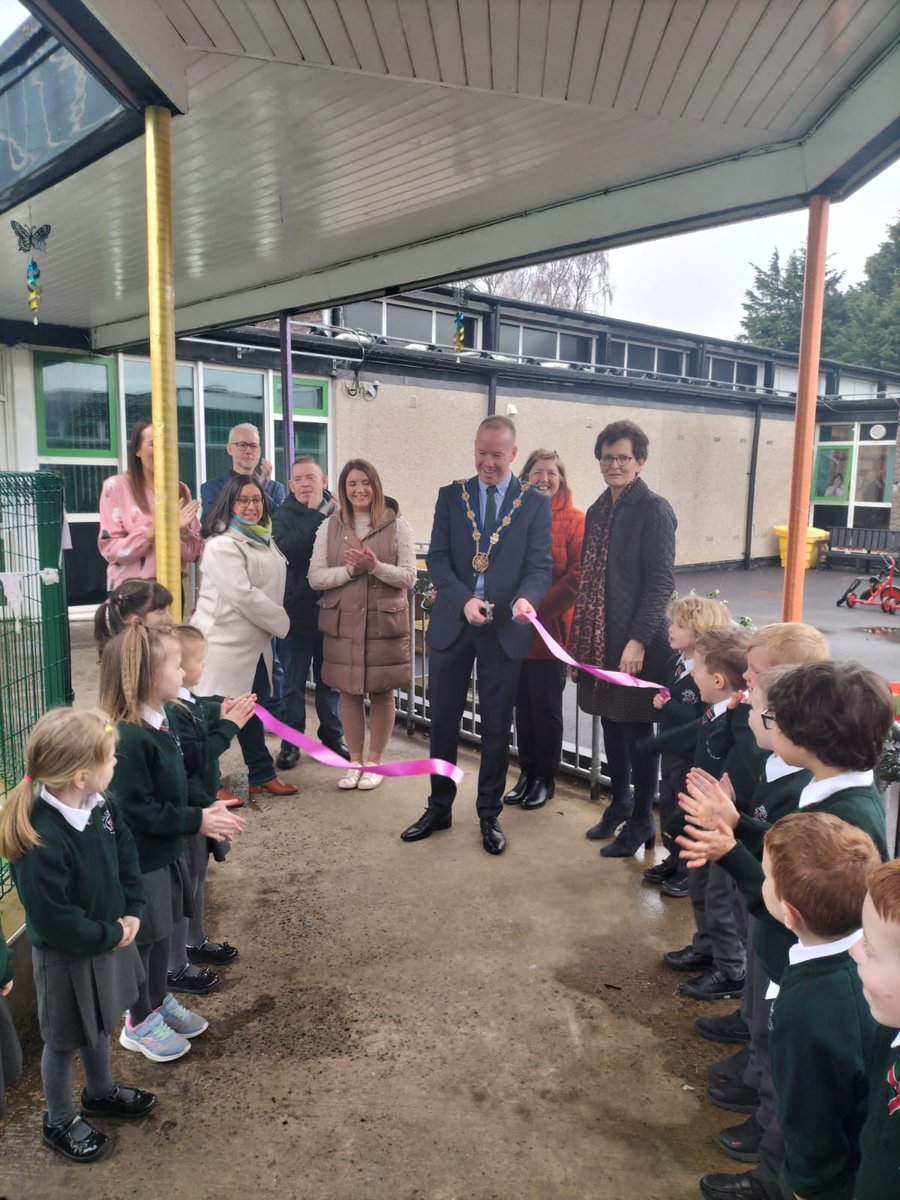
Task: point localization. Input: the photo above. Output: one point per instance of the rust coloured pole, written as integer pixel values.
(161, 310)
(805, 419)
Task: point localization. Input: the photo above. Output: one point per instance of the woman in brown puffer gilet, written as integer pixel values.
(364, 563)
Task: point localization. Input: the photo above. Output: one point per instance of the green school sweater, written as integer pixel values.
(820, 1043)
(860, 806)
(76, 884)
(150, 787)
(878, 1177)
(684, 705)
(6, 957)
(204, 736)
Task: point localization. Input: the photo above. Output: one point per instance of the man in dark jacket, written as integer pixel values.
(294, 527)
(245, 452)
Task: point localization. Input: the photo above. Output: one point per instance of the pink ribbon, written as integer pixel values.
(416, 766)
(620, 677)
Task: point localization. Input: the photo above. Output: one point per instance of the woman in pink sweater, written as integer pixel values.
(127, 534)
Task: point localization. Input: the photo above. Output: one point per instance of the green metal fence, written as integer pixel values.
(35, 661)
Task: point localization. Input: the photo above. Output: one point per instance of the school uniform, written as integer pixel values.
(74, 886)
(684, 708)
(10, 1049)
(878, 1176)
(821, 1042)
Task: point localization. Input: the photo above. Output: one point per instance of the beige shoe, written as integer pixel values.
(351, 779)
(369, 780)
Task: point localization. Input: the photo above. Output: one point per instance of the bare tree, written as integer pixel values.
(581, 283)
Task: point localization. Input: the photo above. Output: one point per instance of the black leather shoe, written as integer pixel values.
(288, 758)
(338, 748)
(77, 1140)
(538, 794)
(741, 1142)
(730, 1028)
(516, 794)
(687, 960)
(492, 835)
(734, 1096)
(713, 984)
(732, 1067)
(726, 1187)
(119, 1102)
(630, 839)
(430, 822)
(607, 825)
(662, 871)
(194, 983)
(676, 887)
(217, 953)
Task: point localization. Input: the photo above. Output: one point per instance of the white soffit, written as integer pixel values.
(332, 148)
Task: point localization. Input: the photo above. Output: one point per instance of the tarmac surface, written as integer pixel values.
(425, 1022)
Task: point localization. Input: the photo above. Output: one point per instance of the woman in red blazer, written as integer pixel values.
(539, 720)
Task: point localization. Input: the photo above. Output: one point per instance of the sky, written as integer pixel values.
(696, 281)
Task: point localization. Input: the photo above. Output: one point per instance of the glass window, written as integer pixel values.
(538, 343)
(835, 433)
(309, 438)
(136, 374)
(832, 475)
(367, 314)
(745, 374)
(871, 518)
(615, 354)
(445, 329)
(875, 474)
(641, 358)
(309, 396)
(722, 370)
(880, 431)
(574, 348)
(76, 406)
(413, 324)
(831, 516)
(229, 398)
(83, 483)
(669, 362)
(509, 338)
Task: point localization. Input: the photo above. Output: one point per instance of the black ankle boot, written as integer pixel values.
(608, 824)
(539, 793)
(632, 837)
(517, 794)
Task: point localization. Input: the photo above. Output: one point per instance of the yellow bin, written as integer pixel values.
(813, 537)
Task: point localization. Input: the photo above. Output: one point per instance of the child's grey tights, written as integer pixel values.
(56, 1073)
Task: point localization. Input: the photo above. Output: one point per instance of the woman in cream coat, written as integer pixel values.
(240, 610)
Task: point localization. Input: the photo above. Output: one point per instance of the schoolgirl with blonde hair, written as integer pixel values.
(75, 865)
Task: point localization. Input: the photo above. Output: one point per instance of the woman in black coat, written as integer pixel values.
(628, 575)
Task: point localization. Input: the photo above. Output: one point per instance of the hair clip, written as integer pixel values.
(27, 779)
(108, 729)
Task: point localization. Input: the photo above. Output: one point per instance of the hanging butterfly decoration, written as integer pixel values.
(32, 238)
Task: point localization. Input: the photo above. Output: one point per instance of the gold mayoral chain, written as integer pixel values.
(482, 558)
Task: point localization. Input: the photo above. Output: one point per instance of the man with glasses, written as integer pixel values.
(244, 450)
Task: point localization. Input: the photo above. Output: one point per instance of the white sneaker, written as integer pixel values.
(350, 779)
(369, 780)
(154, 1039)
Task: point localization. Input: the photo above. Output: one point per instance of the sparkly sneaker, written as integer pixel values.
(184, 1022)
(350, 779)
(154, 1039)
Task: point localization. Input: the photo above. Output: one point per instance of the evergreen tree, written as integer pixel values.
(872, 333)
(774, 304)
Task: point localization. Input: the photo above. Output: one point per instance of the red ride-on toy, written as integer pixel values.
(882, 589)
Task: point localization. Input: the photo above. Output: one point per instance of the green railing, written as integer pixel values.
(35, 662)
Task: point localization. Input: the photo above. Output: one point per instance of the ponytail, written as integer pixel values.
(126, 671)
(62, 743)
(127, 604)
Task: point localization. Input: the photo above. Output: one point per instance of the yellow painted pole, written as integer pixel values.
(161, 297)
(805, 418)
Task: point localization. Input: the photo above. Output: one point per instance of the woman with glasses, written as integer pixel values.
(240, 610)
(627, 580)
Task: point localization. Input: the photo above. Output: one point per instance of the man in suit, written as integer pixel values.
(244, 450)
(491, 566)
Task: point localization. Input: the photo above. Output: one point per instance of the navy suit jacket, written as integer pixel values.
(521, 564)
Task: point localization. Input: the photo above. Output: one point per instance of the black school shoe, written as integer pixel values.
(713, 984)
(193, 984)
(676, 887)
(118, 1102)
(686, 960)
(76, 1140)
(662, 871)
(731, 1028)
(734, 1096)
(741, 1142)
(217, 953)
(725, 1187)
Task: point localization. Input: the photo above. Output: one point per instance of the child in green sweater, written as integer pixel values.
(205, 727)
(133, 602)
(10, 1050)
(75, 866)
(877, 957)
(139, 672)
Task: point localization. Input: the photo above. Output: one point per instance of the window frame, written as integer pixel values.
(44, 358)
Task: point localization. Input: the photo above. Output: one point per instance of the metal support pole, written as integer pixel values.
(751, 486)
(161, 301)
(287, 394)
(805, 420)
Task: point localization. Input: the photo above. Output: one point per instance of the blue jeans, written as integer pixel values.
(297, 651)
(252, 738)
